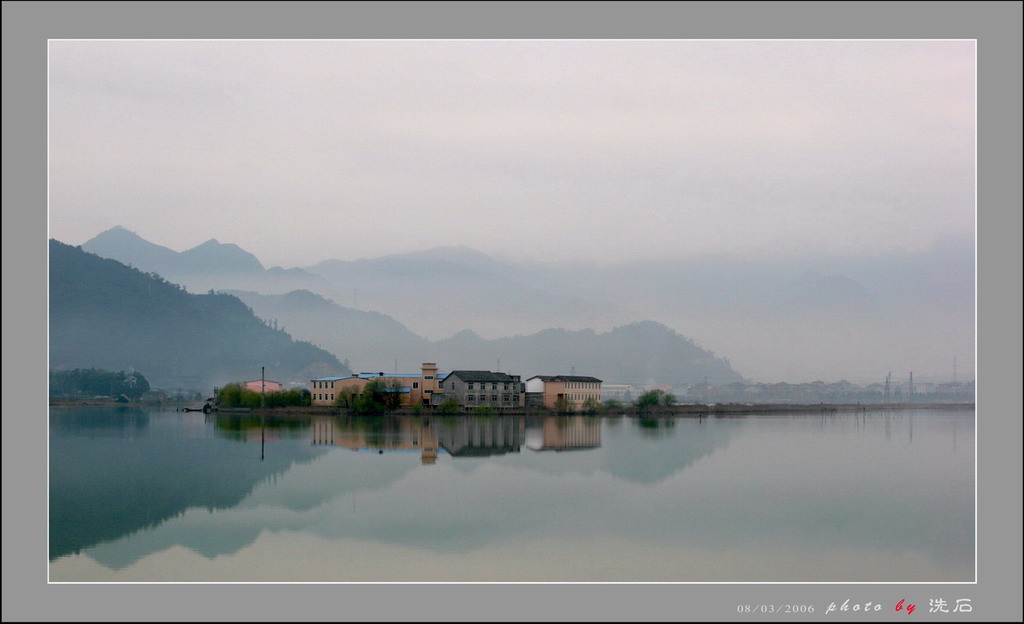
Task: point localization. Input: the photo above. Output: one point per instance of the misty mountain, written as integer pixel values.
(370, 341)
(106, 315)
(209, 265)
(441, 291)
(637, 353)
(642, 352)
(791, 317)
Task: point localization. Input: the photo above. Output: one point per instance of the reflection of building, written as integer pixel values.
(261, 385)
(565, 433)
(476, 437)
(465, 436)
(415, 388)
(402, 434)
(570, 391)
(480, 389)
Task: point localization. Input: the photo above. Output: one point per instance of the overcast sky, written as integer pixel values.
(560, 150)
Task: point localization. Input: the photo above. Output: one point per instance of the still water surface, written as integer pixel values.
(159, 495)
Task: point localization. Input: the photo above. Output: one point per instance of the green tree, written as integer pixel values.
(391, 395)
(378, 397)
(98, 382)
(345, 398)
(562, 405)
(448, 406)
(648, 400)
(591, 405)
(612, 406)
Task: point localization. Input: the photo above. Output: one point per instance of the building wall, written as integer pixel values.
(269, 386)
(621, 392)
(428, 385)
(575, 392)
(428, 388)
(325, 391)
(470, 394)
(421, 386)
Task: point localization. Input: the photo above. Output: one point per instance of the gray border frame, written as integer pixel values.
(28, 25)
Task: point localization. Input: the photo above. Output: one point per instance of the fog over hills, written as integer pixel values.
(788, 317)
(644, 352)
(208, 265)
(106, 315)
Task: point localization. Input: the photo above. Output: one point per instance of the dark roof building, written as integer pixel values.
(479, 388)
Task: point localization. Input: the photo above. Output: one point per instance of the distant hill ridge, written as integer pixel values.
(104, 314)
(128, 247)
(787, 317)
(640, 352)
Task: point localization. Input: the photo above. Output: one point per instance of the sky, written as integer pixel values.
(533, 150)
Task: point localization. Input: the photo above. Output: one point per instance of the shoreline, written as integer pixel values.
(660, 411)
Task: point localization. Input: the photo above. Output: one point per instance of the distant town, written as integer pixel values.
(470, 389)
(489, 391)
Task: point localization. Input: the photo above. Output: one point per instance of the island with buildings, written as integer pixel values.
(467, 389)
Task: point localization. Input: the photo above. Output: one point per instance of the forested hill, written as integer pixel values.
(104, 314)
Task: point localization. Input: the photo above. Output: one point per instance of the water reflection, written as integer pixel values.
(566, 433)
(634, 500)
(115, 471)
(457, 436)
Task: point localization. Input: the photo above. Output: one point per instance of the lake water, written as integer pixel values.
(160, 495)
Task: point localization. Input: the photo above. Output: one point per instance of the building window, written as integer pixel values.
(506, 385)
(415, 384)
(469, 386)
(504, 398)
(428, 377)
(494, 386)
(494, 398)
(440, 385)
(470, 397)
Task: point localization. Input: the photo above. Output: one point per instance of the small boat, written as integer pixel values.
(205, 409)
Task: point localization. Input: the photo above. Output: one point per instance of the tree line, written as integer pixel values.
(237, 395)
(95, 382)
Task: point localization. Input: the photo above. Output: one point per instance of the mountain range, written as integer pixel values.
(787, 318)
(639, 353)
(106, 315)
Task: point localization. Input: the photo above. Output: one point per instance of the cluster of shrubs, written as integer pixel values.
(237, 395)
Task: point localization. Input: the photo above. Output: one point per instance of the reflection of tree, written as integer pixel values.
(102, 487)
(227, 424)
(656, 427)
(667, 446)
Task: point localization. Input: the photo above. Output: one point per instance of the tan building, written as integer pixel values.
(574, 390)
(416, 389)
(263, 385)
